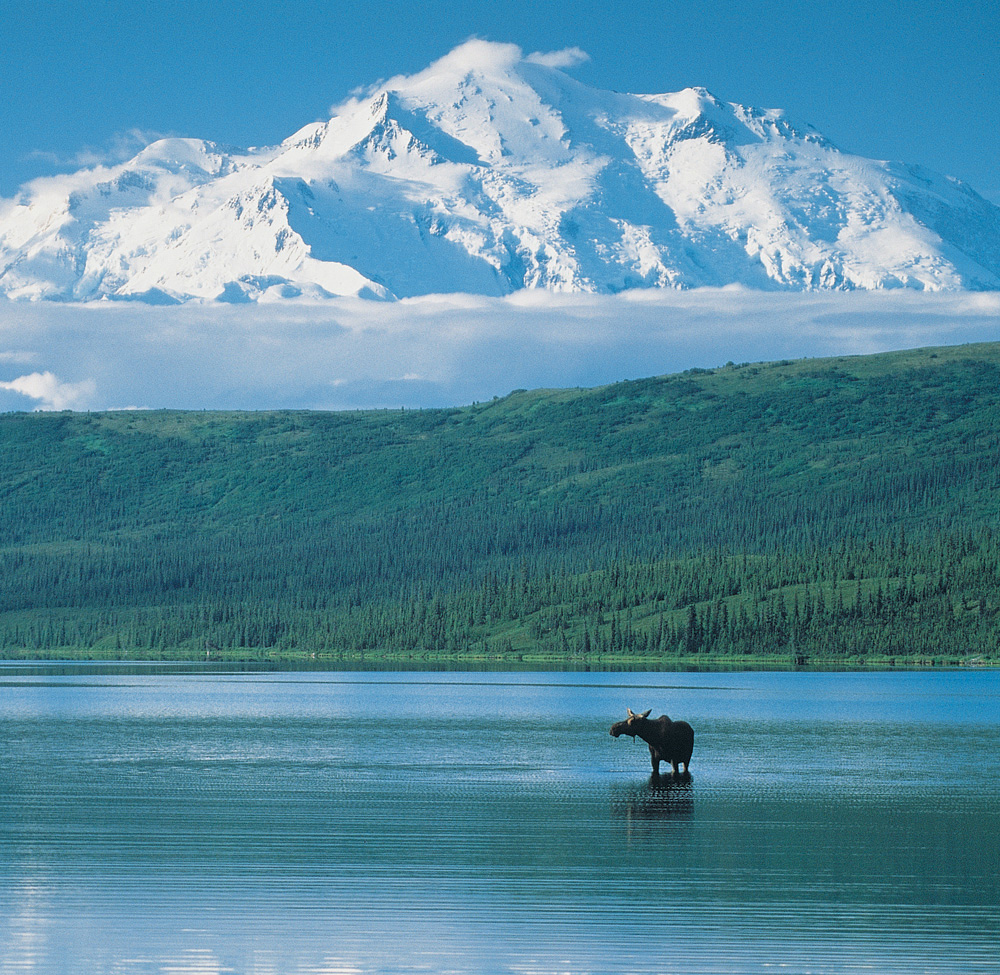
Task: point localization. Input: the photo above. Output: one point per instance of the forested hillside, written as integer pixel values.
(820, 509)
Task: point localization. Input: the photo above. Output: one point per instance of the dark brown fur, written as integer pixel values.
(669, 741)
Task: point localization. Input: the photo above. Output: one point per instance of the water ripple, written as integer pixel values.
(178, 827)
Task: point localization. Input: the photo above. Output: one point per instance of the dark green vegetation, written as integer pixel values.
(842, 509)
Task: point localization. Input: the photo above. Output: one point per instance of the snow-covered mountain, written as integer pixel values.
(492, 171)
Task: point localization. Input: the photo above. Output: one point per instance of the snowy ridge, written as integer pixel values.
(488, 172)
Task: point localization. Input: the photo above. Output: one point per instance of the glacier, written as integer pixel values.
(489, 172)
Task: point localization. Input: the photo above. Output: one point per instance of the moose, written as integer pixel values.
(669, 741)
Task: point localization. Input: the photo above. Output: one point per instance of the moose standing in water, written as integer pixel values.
(669, 741)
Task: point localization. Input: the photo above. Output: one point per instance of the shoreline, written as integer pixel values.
(525, 661)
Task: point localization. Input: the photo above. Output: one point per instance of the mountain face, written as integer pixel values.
(488, 172)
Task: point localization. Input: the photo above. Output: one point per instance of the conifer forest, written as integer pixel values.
(835, 511)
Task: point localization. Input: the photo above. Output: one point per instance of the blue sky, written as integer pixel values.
(87, 80)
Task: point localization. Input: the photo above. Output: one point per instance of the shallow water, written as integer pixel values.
(347, 822)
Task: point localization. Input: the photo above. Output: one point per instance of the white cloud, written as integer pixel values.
(51, 393)
(121, 147)
(473, 54)
(13, 355)
(444, 349)
(568, 57)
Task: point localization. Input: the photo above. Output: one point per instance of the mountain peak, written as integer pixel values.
(474, 57)
(478, 58)
(489, 171)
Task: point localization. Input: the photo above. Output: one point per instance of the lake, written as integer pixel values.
(319, 822)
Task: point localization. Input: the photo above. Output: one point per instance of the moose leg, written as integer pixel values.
(673, 765)
(655, 760)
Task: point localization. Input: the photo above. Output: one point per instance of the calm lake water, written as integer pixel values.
(350, 822)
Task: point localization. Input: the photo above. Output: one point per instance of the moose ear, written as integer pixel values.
(630, 714)
(645, 714)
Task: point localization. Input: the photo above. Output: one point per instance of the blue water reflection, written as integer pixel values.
(345, 822)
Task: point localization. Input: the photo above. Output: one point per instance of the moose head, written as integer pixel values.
(630, 726)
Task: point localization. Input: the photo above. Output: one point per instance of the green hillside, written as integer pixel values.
(841, 509)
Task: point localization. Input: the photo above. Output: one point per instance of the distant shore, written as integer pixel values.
(292, 659)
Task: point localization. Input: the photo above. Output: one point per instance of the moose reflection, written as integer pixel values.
(670, 797)
(669, 741)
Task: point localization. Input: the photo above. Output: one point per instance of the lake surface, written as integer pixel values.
(350, 822)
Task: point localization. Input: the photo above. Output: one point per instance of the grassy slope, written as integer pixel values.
(545, 523)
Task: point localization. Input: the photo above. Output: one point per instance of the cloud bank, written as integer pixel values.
(51, 394)
(443, 350)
